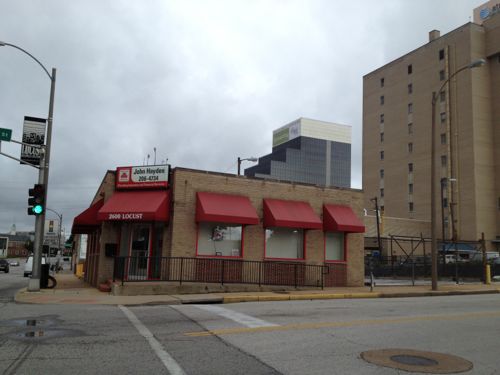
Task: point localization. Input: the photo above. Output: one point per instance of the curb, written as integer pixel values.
(302, 297)
(217, 299)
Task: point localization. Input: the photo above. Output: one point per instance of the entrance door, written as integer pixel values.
(139, 251)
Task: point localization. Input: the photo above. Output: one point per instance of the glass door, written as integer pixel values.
(139, 251)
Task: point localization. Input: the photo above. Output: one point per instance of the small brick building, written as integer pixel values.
(238, 221)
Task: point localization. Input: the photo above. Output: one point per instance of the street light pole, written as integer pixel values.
(435, 96)
(254, 159)
(43, 176)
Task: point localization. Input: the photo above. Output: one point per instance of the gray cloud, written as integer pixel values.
(202, 81)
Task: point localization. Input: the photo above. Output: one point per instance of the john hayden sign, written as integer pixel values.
(153, 176)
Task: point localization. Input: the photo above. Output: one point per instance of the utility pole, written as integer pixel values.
(375, 200)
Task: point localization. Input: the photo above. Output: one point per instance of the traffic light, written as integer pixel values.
(36, 200)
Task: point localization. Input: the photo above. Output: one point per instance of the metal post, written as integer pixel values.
(443, 235)
(434, 259)
(239, 165)
(485, 260)
(422, 240)
(182, 266)
(222, 271)
(59, 239)
(392, 257)
(413, 272)
(435, 95)
(378, 225)
(260, 273)
(295, 271)
(372, 279)
(43, 178)
(323, 277)
(34, 281)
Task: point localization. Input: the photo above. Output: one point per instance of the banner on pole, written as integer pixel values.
(33, 134)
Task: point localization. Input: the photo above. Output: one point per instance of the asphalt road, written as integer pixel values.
(293, 337)
(11, 282)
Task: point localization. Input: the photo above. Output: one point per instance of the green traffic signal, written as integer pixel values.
(36, 200)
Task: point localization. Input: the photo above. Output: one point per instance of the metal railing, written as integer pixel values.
(222, 271)
(420, 267)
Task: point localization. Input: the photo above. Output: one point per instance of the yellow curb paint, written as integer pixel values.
(299, 297)
(241, 299)
(352, 323)
(366, 295)
(274, 298)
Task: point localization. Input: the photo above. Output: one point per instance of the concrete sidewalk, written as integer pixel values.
(72, 290)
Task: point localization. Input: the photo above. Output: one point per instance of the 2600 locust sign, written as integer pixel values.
(151, 176)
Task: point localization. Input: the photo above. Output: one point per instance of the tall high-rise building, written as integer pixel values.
(308, 151)
(397, 106)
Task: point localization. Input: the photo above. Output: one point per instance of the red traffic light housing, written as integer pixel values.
(36, 200)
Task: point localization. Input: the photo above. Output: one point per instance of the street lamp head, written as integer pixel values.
(477, 63)
(253, 158)
(2, 44)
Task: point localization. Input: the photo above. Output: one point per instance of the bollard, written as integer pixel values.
(488, 275)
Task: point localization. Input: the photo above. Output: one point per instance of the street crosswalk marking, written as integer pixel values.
(171, 365)
(244, 319)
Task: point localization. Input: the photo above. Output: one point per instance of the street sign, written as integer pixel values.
(5, 134)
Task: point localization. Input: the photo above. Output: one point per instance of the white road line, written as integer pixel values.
(246, 320)
(170, 363)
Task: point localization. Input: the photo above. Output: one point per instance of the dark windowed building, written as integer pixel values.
(308, 151)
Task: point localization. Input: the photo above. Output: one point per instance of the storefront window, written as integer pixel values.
(285, 243)
(334, 246)
(216, 239)
(139, 250)
(83, 246)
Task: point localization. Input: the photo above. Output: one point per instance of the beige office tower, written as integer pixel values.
(397, 106)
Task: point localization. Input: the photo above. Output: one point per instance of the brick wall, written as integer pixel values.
(182, 231)
(17, 249)
(396, 226)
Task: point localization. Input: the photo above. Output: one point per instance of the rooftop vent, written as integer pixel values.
(434, 34)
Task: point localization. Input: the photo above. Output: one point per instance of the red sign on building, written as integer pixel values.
(151, 176)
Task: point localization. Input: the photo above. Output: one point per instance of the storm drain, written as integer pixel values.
(417, 361)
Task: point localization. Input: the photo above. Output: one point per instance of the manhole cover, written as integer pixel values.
(417, 361)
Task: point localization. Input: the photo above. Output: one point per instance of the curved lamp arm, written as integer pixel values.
(29, 54)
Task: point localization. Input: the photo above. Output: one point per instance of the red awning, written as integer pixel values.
(139, 205)
(225, 208)
(341, 219)
(87, 222)
(291, 214)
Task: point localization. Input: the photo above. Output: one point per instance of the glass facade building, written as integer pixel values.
(307, 159)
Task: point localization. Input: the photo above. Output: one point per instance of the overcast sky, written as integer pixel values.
(202, 81)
